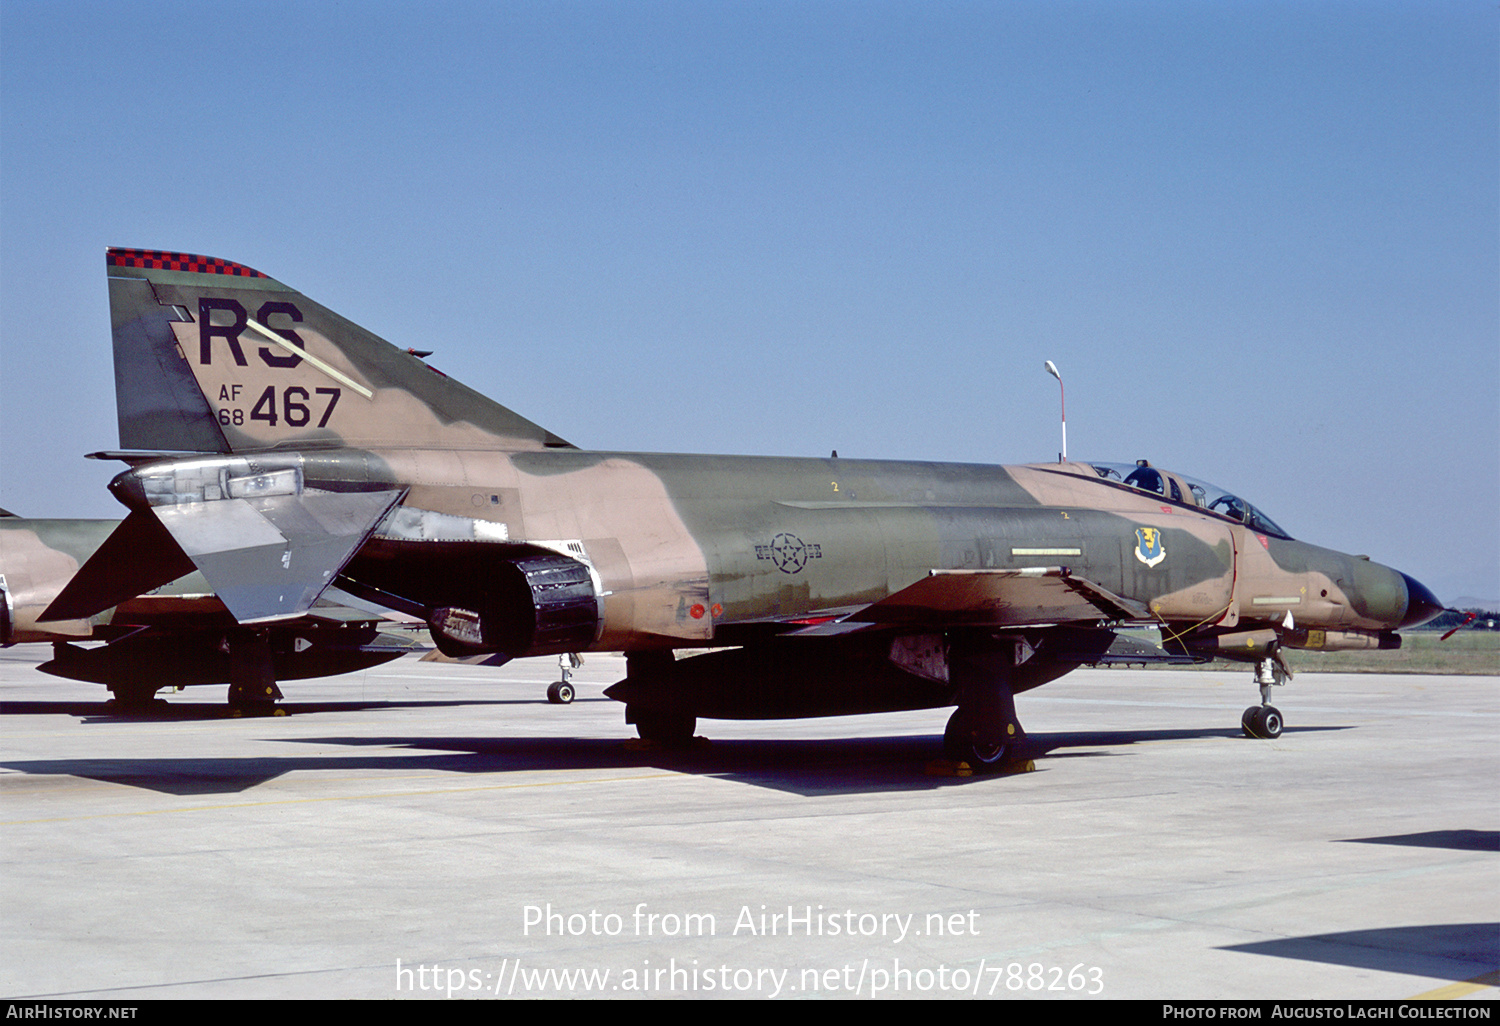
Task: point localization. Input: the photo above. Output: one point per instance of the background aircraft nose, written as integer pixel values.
(1421, 604)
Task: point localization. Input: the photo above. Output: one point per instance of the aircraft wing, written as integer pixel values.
(1033, 596)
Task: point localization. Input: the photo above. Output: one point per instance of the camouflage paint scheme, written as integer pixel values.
(322, 453)
(172, 637)
(38, 557)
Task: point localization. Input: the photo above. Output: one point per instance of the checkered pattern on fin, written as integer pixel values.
(155, 259)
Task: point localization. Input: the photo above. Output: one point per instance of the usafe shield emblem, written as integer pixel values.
(1148, 548)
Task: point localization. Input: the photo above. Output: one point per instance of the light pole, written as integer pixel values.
(1063, 401)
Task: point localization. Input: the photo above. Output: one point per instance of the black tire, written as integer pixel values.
(1247, 721)
(966, 741)
(1269, 725)
(1262, 722)
(559, 692)
(662, 727)
(133, 697)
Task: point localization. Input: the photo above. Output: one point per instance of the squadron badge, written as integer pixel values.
(1148, 547)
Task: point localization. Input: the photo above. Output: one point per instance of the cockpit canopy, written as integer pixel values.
(1187, 491)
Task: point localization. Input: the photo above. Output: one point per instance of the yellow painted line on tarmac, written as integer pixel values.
(1462, 989)
(340, 798)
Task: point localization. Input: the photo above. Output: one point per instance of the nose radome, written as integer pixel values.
(1421, 604)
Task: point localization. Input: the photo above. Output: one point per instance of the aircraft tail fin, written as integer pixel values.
(213, 356)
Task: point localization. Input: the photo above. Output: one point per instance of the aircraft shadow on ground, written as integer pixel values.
(805, 766)
(1468, 952)
(1455, 840)
(165, 711)
(1449, 951)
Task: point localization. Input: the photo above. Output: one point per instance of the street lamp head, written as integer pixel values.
(1063, 408)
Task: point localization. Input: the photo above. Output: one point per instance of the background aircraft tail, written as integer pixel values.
(212, 356)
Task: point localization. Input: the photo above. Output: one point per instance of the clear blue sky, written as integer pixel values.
(1261, 240)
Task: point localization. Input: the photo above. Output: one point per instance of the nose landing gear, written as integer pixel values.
(1264, 721)
(560, 692)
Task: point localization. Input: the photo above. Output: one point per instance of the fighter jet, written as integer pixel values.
(171, 637)
(281, 449)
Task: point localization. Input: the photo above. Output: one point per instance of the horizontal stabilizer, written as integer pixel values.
(138, 556)
(1000, 598)
(270, 557)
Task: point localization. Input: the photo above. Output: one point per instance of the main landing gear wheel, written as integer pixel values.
(983, 731)
(1262, 721)
(559, 692)
(663, 727)
(964, 740)
(252, 676)
(255, 700)
(134, 698)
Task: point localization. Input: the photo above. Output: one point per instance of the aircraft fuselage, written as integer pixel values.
(685, 547)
